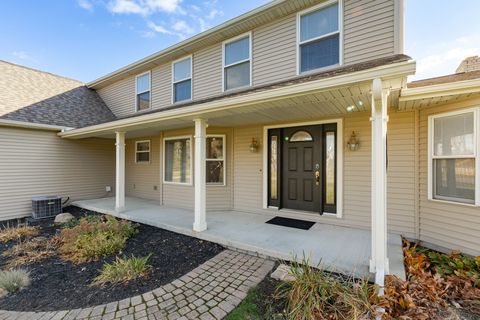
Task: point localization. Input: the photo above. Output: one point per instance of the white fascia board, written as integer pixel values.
(438, 90)
(31, 125)
(390, 71)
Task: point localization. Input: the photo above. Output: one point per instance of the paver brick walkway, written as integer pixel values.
(210, 291)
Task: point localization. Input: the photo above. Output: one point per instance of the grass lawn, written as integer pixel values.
(248, 308)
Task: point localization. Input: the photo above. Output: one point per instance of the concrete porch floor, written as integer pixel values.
(340, 249)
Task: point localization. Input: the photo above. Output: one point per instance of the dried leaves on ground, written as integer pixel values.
(433, 280)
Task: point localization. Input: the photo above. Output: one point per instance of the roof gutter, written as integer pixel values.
(197, 38)
(31, 125)
(438, 90)
(386, 71)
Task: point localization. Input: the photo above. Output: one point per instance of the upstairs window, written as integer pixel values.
(182, 80)
(237, 63)
(142, 87)
(319, 38)
(453, 157)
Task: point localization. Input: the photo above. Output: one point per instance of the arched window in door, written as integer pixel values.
(301, 136)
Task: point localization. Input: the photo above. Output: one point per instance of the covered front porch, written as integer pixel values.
(341, 249)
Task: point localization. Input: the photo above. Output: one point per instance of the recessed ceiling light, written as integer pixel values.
(360, 103)
(350, 108)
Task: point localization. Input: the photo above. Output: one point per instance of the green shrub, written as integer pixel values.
(124, 269)
(455, 264)
(14, 280)
(76, 221)
(95, 238)
(316, 294)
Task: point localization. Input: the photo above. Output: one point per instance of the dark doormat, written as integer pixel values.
(291, 223)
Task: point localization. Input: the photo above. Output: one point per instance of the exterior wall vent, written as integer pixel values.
(46, 206)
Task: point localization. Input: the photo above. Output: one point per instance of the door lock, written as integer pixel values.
(317, 178)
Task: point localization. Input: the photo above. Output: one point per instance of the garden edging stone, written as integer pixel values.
(210, 291)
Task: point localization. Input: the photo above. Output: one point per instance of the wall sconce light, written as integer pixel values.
(254, 145)
(353, 144)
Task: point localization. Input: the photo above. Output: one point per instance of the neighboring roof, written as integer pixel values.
(267, 13)
(35, 96)
(292, 81)
(445, 79)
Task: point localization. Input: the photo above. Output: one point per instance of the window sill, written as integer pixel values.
(143, 162)
(322, 69)
(471, 205)
(185, 184)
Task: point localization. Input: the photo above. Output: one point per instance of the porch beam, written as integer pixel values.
(379, 259)
(200, 222)
(120, 171)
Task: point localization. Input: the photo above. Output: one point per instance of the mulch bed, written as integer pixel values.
(61, 285)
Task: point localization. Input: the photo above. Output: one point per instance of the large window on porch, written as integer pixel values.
(453, 157)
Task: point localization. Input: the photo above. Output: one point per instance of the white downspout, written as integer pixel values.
(120, 172)
(379, 259)
(200, 222)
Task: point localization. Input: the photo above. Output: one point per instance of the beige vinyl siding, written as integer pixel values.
(120, 97)
(218, 197)
(274, 51)
(368, 30)
(35, 162)
(142, 178)
(162, 86)
(451, 226)
(248, 189)
(207, 72)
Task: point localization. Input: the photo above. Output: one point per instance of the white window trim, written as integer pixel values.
(139, 92)
(190, 182)
(249, 34)
(476, 155)
(339, 164)
(181, 80)
(224, 159)
(339, 32)
(149, 152)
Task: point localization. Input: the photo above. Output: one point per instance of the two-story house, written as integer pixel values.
(283, 111)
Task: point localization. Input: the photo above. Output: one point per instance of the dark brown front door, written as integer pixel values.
(302, 168)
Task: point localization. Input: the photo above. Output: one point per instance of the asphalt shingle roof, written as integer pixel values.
(40, 97)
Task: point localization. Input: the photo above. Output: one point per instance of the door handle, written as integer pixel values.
(317, 178)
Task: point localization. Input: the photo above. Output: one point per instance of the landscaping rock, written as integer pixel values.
(283, 273)
(64, 217)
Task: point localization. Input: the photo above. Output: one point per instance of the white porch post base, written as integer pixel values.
(200, 222)
(120, 172)
(379, 259)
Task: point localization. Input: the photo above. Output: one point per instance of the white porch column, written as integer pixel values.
(200, 222)
(120, 172)
(379, 119)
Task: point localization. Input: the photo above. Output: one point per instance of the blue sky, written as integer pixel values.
(85, 39)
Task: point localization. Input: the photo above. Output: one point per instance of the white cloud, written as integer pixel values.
(444, 58)
(144, 7)
(158, 28)
(85, 4)
(22, 55)
(182, 27)
(214, 13)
